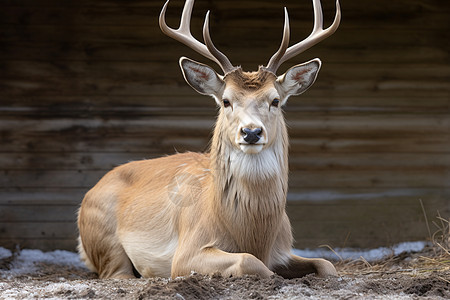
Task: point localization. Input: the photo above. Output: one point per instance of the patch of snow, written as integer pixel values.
(4, 253)
(26, 260)
(369, 254)
(60, 257)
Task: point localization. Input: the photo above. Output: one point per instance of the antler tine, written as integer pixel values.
(183, 34)
(224, 62)
(318, 34)
(275, 59)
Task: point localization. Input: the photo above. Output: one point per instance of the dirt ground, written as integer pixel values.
(422, 275)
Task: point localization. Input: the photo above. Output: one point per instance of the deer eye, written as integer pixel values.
(226, 103)
(275, 102)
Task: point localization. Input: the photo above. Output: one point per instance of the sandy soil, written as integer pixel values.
(412, 276)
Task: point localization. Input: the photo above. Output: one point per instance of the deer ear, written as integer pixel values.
(299, 78)
(201, 78)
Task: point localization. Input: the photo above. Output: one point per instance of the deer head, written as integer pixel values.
(250, 102)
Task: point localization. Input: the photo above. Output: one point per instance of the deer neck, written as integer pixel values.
(249, 192)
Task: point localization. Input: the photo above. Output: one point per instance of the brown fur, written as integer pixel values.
(250, 80)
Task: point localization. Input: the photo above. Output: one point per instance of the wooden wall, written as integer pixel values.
(88, 85)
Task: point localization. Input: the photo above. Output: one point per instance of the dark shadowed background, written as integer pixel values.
(88, 85)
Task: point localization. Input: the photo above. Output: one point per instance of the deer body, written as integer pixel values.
(223, 211)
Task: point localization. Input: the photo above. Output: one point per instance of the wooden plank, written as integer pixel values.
(144, 48)
(171, 100)
(36, 230)
(423, 144)
(138, 79)
(43, 244)
(315, 101)
(395, 196)
(155, 145)
(161, 145)
(226, 13)
(407, 6)
(366, 224)
(375, 126)
(48, 74)
(334, 90)
(369, 161)
(70, 143)
(67, 161)
(51, 86)
(382, 126)
(300, 28)
(38, 213)
(363, 235)
(55, 108)
(59, 196)
(393, 178)
(246, 14)
(297, 161)
(379, 133)
(241, 22)
(184, 126)
(132, 70)
(44, 195)
(49, 178)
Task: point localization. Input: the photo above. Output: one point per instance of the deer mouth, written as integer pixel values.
(251, 148)
(249, 144)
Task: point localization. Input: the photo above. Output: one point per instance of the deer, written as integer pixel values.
(218, 212)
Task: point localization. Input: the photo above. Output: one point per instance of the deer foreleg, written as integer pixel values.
(212, 260)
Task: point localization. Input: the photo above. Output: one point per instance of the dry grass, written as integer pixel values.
(433, 259)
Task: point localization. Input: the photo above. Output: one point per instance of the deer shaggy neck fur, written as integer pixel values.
(250, 190)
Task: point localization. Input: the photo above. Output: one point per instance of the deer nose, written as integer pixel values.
(251, 136)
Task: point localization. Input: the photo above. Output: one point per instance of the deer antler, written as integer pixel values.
(183, 34)
(318, 34)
